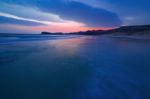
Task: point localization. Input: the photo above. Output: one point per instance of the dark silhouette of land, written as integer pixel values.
(124, 30)
(138, 31)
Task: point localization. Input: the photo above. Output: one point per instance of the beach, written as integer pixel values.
(74, 67)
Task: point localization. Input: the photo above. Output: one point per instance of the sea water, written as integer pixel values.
(76, 67)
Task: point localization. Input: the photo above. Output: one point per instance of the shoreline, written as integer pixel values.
(131, 36)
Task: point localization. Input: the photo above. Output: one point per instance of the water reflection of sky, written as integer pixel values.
(76, 68)
(68, 46)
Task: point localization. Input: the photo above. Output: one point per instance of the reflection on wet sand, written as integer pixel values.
(75, 68)
(54, 71)
(68, 46)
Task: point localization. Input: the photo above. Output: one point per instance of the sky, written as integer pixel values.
(35, 16)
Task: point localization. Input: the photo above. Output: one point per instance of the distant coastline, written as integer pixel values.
(138, 31)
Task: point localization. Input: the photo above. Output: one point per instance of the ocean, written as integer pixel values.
(74, 67)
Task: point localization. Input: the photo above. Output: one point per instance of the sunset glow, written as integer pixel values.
(67, 15)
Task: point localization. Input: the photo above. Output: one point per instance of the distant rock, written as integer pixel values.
(58, 33)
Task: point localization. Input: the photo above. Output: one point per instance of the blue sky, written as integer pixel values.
(34, 16)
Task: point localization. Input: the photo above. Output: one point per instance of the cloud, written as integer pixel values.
(73, 11)
(139, 9)
(5, 17)
(18, 21)
(29, 12)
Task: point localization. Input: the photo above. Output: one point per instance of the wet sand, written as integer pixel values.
(87, 67)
